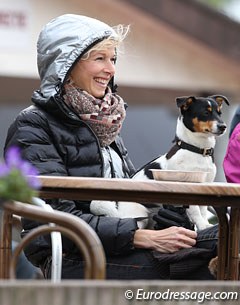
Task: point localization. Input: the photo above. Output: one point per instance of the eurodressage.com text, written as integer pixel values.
(199, 296)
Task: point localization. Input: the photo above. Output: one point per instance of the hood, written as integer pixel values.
(61, 42)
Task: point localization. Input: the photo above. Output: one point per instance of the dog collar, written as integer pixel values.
(202, 151)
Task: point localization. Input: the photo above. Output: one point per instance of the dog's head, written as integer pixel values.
(203, 114)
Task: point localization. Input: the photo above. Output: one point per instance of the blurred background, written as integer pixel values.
(175, 48)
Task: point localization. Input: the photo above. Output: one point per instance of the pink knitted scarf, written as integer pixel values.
(105, 116)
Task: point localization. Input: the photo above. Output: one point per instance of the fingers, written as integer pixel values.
(186, 233)
(168, 240)
(184, 238)
(173, 239)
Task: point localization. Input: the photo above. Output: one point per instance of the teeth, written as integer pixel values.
(102, 81)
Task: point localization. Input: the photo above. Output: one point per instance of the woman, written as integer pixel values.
(73, 130)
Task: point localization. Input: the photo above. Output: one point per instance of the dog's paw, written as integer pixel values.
(204, 225)
(213, 266)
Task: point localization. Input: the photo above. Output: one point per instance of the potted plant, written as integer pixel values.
(18, 178)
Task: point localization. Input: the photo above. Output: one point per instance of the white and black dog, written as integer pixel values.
(198, 125)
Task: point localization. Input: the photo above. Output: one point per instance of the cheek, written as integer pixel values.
(200, 126)
(79, 69)
(79, 76)
(74, 74)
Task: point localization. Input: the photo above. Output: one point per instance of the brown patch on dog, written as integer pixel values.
(187, 104)
(219, 100)
(200, 126)
(209, 109)
(213, 266)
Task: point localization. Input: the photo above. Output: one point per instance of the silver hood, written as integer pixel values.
(61, 42)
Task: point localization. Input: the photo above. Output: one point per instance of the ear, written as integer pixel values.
(220, 99)
(184, 102)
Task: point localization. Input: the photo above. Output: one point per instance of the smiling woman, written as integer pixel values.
(73, 129)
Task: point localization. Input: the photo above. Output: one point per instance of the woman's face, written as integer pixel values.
(94, 73)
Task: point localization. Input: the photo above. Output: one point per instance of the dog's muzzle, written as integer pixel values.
(221, 128)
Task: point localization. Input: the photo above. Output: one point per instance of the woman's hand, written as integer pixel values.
(167, 240)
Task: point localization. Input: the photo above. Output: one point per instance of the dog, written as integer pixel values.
(198, 124)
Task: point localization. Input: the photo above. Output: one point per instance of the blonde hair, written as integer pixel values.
(114, 40)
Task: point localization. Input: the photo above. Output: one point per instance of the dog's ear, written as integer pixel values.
(220, 99)
(184, 102)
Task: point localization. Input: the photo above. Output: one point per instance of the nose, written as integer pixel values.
(110, 67)
(222, 127)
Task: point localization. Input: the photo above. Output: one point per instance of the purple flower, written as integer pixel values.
(18, 177)
(28, 171)
(4, 170)
(13, 157)
(34, 182)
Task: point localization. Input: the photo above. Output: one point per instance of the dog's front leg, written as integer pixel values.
(204, 211)
(105, 208)
(194, 213)
(121, 209)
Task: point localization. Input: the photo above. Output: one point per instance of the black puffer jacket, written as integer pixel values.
(60, 143)
(57, 142)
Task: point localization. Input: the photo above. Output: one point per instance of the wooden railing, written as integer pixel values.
(76, 229)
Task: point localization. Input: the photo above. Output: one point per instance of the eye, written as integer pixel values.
(114, 59)
(206, 113)
(99, 58)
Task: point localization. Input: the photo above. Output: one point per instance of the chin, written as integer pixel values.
(99, 95)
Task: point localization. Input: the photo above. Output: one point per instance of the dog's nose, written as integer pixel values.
(222, 127)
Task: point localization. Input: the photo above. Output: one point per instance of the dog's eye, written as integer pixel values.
(206, 112)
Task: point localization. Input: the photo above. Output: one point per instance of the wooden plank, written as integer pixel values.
(142, 191)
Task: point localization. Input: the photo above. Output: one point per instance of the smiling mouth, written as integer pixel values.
(101, 81)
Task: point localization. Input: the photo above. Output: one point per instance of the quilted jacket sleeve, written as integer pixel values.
(231, 162)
